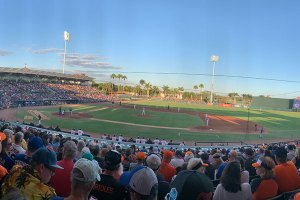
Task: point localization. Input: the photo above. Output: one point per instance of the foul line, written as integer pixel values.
(141, 125)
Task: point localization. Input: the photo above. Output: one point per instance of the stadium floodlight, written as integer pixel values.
(213, 59)
(66, 38)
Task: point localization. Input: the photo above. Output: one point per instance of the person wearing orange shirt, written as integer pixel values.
(166, 169)
(286, 172)
(265, 186)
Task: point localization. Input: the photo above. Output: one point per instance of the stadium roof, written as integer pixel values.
(27, 71)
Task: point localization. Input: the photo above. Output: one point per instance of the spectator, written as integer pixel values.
(286, 172)
(6, 158)
(108, 188)
(142, 182)
(154, 162)
(249, 160)
(140, 157)
(230, 186)
(188, 155)
(3, 170)
(291, 152)
(17, 146)
(34, 144)
(83, 178)
(61, 181)
(264, 187)
(231, 157)
(209, 170)
(244, 173)
(191, 185)
(217, 162)
(177, 161)
(80, 146)
(167, 170)
(296, 159)
(32, 179)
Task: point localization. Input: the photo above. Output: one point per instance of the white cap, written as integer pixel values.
(87, 168)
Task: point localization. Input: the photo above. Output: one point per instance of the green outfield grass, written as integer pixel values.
(280, 124)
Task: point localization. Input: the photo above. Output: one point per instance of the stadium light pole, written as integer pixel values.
(213, 59)
(66, 38)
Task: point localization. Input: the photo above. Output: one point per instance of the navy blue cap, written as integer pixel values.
(47, 157)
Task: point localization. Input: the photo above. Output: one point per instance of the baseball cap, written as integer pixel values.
(168, 154)
(2, 136)
(88, 156)
(47, 157)
(140, 156)
(261, 163)
(142, 180)
(188, 184)
(153, 161)
(89, 172)
(35, 143)
(112, 160)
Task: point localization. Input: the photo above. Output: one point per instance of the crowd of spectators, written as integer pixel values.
(12, 92)
(37, 165)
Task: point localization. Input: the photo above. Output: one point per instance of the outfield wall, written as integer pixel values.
(271, 103)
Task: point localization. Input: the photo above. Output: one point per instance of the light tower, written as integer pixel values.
(213, 59)
(66, 38)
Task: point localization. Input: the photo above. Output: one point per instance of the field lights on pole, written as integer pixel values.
(213, 59)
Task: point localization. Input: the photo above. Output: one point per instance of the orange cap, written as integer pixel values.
(2, 136)
(140, 155)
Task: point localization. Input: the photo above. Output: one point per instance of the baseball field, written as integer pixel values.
(170, 120)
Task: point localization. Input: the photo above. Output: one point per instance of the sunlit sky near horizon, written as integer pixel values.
(259, 39)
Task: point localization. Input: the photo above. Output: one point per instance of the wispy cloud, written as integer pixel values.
(88, 61)
(46, 51)
(5, 52)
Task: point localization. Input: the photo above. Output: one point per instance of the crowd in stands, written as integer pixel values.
(37, 165)
(12, 92)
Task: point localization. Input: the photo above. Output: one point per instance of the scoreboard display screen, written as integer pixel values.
(296, 104)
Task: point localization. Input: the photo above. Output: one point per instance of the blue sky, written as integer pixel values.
(252, 38)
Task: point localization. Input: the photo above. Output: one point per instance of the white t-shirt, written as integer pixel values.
(121, 138)
(244, 194)
(143, 141)
(114, 138)
(156, 142)
(137, 140)
(177, 162)
(80, 132)
(164, 142)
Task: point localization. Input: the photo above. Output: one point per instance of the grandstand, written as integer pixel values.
(28, 87)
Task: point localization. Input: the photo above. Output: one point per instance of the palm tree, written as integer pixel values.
(119, 76)
(195, 88)
(148, 87)
(201, 86)
(175, 92)
(180, 90)
(142, 83)
(124, 78)
(166, 90)
(113, 76)
(155, 90)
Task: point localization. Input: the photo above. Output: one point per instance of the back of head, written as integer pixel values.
(112, 160)
(144, 182)
(153, 161)
(70, 149)
(19, 137)
(281, 154)
(35, 143)
(190, 184)
(231, 177)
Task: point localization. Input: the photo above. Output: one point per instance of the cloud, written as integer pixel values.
(5, 53)
(46, 51)
(88, 61)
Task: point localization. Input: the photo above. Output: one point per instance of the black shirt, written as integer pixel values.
(109, 189)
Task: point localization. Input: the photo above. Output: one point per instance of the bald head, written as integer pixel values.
(232, 155)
